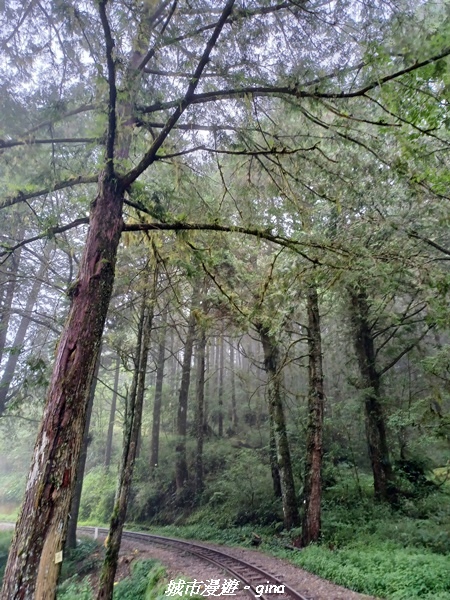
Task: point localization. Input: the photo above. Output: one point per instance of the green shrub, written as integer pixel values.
(5, 540)
(71, 589)
(97, 499)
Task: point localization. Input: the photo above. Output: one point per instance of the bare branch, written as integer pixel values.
(292, 89)
(150, 155)
(22, 197)
(50, 232)
(33, 141)
(401, 354)
(112, 120)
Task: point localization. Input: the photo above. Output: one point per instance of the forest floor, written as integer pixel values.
(181, 563)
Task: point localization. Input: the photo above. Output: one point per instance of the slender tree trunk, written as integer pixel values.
(156, 425)
(207, 387)
(133, 417)
(374, 416)
(276, 482)
(112, 415)
(32, 570)
(220, 350)
(272, 367)
(200, 417)
(13, 359)
(234, 415)
(311, 525)
(71, 541)
(8, 290)
(181, 468)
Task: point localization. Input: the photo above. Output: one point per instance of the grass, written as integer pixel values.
(400, 554)
(5, 540)
(381, 569)
(148, 581)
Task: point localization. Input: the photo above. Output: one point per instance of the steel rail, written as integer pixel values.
(249, 574)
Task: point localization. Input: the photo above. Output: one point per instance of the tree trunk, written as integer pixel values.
(181, 468)
(220, 350)
(8, 291)
(112, 416)
(374, 417)
(13, 359)
(276, 482)
(312, 492)
(156, 424)
(71, 541)
(234, 415)
(271, 364)
(200, 417)
(32, 569)
(133, 417)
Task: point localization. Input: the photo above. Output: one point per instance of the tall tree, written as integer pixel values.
(112, 415)
(157, 403)
(276, 410)
(312, 491)
(181, 466)
(132, 428)
(185, 39)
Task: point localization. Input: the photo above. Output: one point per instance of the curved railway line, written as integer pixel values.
(250, 575)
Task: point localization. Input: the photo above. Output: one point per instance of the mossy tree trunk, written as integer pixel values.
(200, 411)
(312, 492)
(221, 360)
(234, 415)
(383, 479)
(112, 415)
(272, 366)
(156, 424)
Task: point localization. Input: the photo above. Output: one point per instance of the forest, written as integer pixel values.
(224, 285)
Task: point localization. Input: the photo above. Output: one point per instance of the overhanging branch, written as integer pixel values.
(60, 185)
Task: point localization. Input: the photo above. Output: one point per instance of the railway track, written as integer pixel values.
(255, 581)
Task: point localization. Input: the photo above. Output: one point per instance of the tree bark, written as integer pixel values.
(371, 381)
(311, 524)
(112, 416)
(234, 415)
(276, 482)
(71, 541)
(200, 416)
(31, 571)
(181, 468)
(133, 418)
(156, 424)
(220, 350)
(272, 367)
